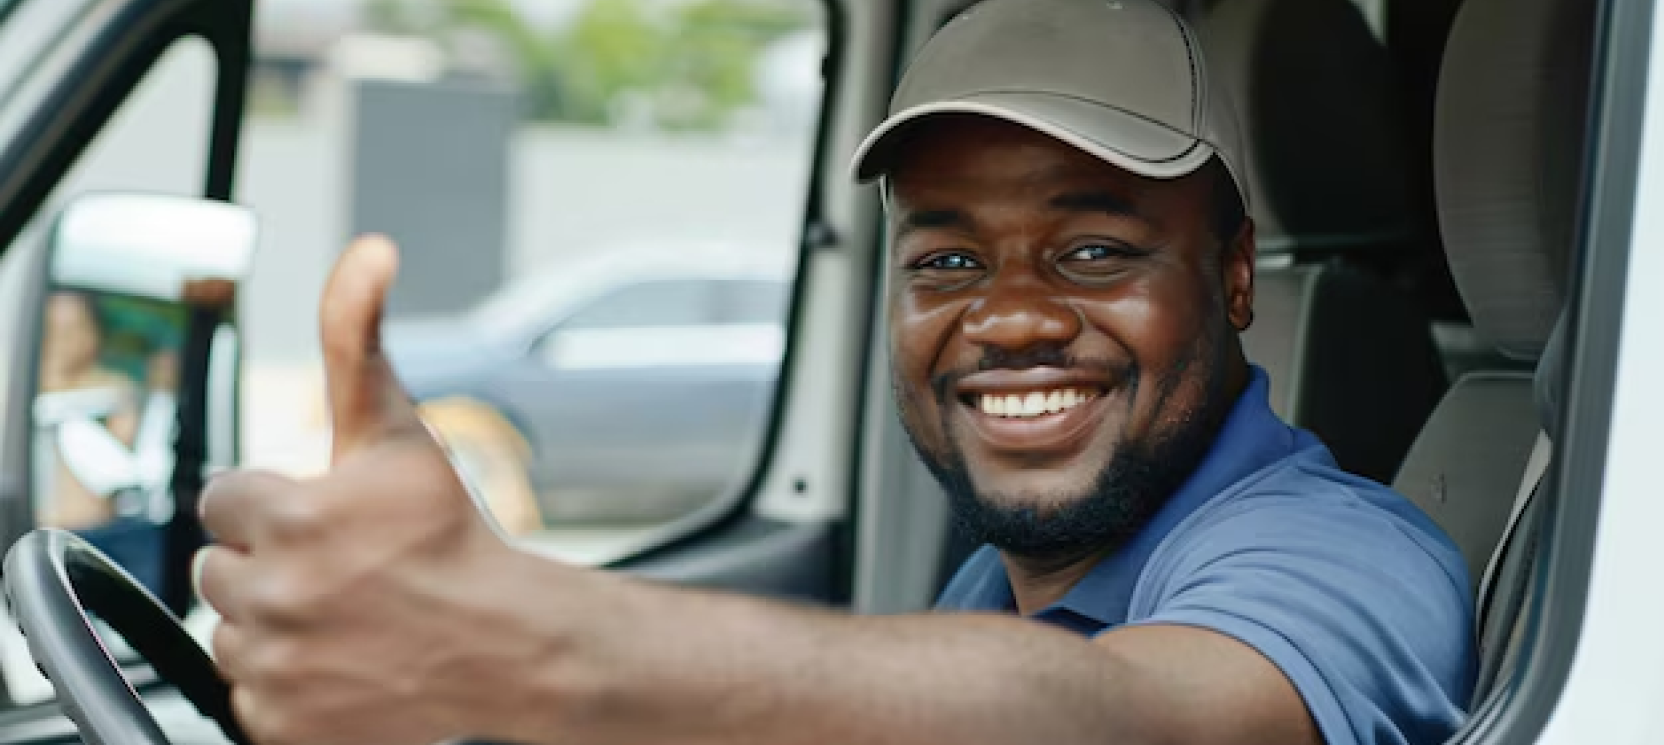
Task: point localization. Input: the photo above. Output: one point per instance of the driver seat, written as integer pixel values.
(1509, 142)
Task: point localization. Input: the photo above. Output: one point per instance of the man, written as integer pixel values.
(1069, 272)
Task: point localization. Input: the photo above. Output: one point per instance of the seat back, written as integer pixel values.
(1467, 461)
(1509, 139)
(1349, 357)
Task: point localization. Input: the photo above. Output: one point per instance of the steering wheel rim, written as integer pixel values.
(54, 578)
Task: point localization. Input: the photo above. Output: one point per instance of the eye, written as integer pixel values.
(949, 262)
(1102, 252)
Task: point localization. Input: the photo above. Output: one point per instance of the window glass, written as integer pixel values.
(582, 165)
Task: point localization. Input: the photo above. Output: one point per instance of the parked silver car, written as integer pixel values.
(638, 378)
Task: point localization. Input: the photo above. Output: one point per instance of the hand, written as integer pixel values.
(358, 607)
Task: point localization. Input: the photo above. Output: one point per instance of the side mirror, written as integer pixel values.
(135, 392)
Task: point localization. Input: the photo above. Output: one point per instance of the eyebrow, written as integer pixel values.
(1094, 201)
(933, 220)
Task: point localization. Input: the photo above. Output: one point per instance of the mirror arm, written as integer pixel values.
(184, 532)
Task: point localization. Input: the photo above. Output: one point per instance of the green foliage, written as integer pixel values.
(134, 329)
(683, 65)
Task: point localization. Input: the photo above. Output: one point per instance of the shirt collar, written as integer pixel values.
(1251, 438)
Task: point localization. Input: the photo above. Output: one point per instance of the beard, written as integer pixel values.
(1126, 493)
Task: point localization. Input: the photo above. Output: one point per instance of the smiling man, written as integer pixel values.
(1070, 268)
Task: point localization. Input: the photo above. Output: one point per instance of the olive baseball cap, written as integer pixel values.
(1123, 80)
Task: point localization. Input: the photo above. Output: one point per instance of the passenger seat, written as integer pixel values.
(1350, 357)
(1509, 141)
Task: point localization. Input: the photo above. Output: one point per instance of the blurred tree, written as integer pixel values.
(134, 329)
(683, 65)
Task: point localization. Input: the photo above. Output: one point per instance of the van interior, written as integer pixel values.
(1419, 172)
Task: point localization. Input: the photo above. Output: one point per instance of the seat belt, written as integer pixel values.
(1535, 467)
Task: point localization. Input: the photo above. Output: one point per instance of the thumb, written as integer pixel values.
(366, 402)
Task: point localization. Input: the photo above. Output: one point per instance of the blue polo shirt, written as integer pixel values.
(1342, 583)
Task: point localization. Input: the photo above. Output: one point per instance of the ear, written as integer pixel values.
(1237, 269)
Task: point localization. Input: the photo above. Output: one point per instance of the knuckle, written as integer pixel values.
(271, 662)
(232, 503)
(299, 518)
(281, 597)
(214, 505)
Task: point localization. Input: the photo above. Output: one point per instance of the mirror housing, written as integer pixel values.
(152, 246)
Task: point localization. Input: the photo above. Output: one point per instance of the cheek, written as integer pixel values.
(918, 338)
(1159, 323)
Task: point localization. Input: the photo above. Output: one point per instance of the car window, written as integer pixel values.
(543, 166)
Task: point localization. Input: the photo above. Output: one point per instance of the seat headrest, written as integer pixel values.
(1508, 143)
(1320, 114)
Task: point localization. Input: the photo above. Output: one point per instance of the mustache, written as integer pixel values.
(993, 358)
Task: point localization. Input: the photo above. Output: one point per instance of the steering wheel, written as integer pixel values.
(54, 578)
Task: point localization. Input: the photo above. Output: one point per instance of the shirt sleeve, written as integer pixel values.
(1364, 610)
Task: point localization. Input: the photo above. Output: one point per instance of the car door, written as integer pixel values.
(97, 95)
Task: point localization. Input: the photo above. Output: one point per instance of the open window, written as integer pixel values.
(600, 213)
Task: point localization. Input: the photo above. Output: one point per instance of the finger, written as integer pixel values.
(236, 504)
(256, 719)
(366, 402)
(222, 579)
(229, 649)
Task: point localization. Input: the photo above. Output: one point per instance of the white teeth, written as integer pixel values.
(1034, 403)
(1038, 403)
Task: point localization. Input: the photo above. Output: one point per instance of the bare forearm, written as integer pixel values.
(686, 667)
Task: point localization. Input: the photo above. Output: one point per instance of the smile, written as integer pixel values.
(1036, 412)
(1034, 403)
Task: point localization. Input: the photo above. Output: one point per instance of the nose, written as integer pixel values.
(1020, 315)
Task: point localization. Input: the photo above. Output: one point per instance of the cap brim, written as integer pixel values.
(1125, 140)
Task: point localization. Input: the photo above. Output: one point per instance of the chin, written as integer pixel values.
(1043, 496)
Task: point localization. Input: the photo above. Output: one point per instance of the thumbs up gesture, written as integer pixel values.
(358, 607)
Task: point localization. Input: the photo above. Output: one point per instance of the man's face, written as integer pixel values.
(1061, 331)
